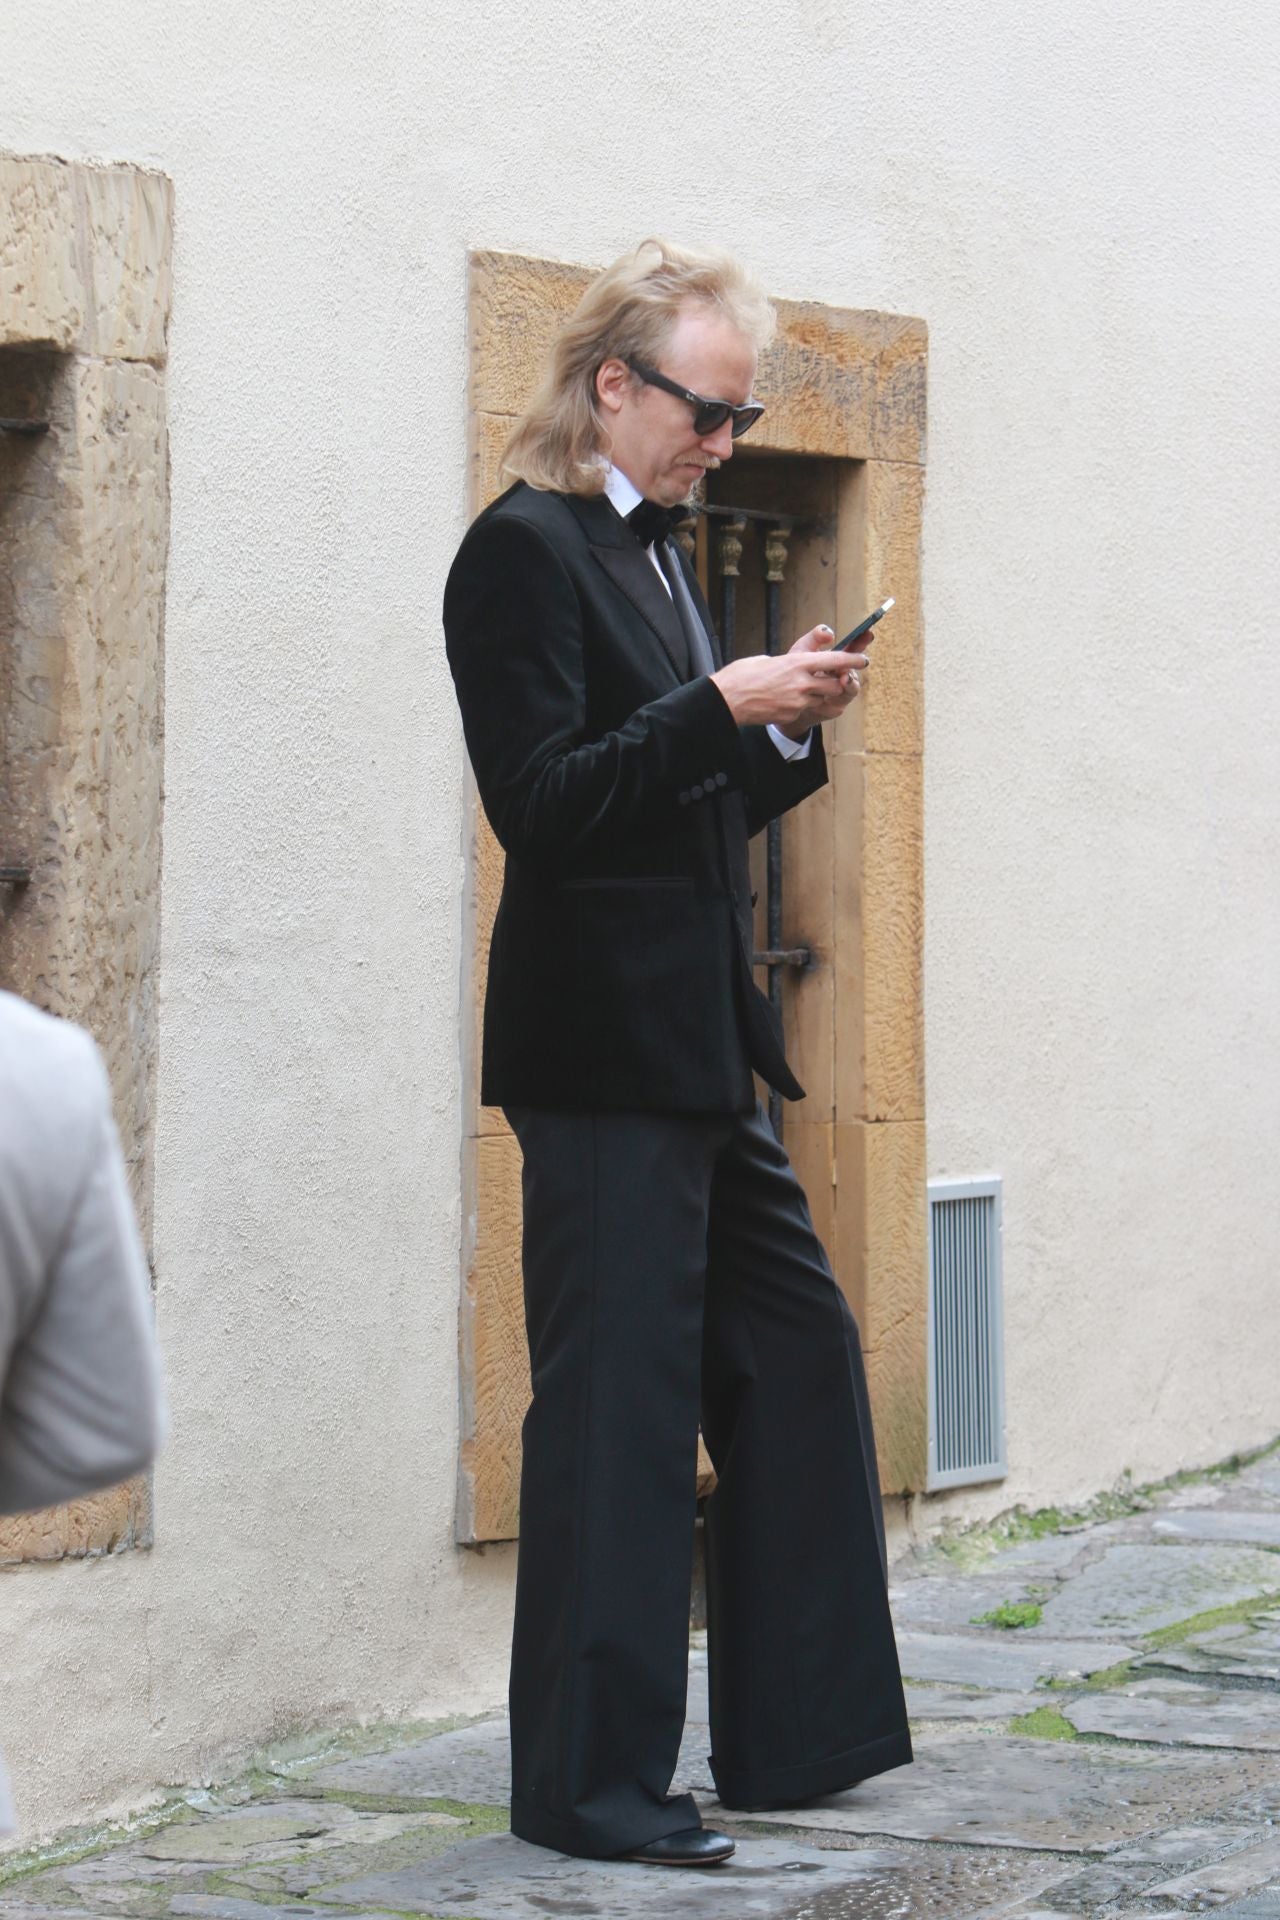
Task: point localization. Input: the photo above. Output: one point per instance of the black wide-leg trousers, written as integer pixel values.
(671, 1275)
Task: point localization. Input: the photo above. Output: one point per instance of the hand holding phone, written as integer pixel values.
(798, 689)
(863, 626)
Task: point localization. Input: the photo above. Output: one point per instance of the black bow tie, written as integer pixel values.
(650, 522)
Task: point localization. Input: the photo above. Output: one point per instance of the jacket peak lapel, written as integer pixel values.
(631, 570)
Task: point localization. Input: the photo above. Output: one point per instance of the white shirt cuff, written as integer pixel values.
(790, 749)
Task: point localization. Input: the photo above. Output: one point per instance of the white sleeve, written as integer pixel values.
(81, 1405)
(788, 748)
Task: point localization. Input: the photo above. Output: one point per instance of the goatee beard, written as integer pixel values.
(697, 492)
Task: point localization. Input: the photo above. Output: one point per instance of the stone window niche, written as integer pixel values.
(842, 448)
(84, 303)
(33, 395)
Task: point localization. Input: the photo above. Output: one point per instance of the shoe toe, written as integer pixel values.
(692, 1847)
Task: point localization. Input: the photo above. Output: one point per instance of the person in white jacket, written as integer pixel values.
(81, 1400)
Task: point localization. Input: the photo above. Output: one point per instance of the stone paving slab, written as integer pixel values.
(500, 1878)
(1240, 1650)
(1261, 1477)
(366, 1830)
(1239, 1873)
(1048, 1557)
(29, 1911)
(1071, 1796)
(1259, 1801)
(1097, 1887)
(944, 1602)
(958, 1703)
(1133, 1588)
(249, 1837)
(1038, 1911)
(693, 1768)
(225, 1907)
(274, 1830)
(471, 1764)
(1238, 1866)
(1175, 1846)
(1243, 1525)
(208, 1864)
(218, 1906)
(697, 1705)
(1004, 1660)
(1175, 1713)
(124, 1867)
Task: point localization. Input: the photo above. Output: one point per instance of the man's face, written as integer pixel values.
(654, 438)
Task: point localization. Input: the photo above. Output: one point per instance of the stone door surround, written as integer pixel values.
(844, 386)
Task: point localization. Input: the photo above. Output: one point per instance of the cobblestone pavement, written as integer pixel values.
(1113, 1749)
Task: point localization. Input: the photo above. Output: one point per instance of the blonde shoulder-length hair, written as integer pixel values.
(626, 313)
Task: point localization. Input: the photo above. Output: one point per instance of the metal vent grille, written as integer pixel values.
(966, 1339)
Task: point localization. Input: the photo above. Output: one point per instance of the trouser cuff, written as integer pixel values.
(603, 1839)
(777, 1785)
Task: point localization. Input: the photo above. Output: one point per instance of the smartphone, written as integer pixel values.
(864, 626)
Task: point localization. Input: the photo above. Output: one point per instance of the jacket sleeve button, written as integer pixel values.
(722, 779)
(695, 793)
(683, 798)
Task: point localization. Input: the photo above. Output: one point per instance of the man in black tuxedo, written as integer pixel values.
(671, 1271)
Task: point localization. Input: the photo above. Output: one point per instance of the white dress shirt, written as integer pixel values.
(625, 496)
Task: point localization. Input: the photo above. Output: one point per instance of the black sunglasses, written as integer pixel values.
(708, 415)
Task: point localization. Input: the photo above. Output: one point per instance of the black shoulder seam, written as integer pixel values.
(523, 520)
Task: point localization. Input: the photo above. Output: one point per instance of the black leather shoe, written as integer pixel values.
(694, 1847)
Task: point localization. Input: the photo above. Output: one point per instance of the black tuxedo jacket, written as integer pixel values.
(623, 793)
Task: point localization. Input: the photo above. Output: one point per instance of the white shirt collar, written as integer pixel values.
(625, 494)
(621, 491)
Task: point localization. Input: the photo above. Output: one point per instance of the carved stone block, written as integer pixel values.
(85, 258)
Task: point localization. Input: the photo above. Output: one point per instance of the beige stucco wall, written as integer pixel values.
(1080, 211)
